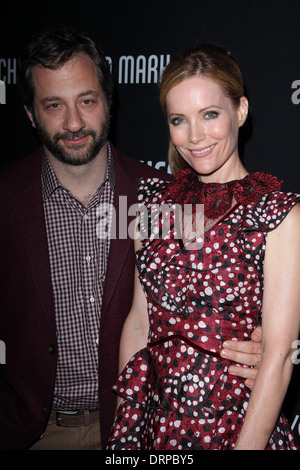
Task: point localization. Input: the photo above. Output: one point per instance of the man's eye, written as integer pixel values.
(53, 106)
(87, 102)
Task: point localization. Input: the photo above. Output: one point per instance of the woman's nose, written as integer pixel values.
(197, 133)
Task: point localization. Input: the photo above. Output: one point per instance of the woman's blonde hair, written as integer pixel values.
(206, 60)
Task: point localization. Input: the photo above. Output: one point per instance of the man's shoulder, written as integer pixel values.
(18, 172)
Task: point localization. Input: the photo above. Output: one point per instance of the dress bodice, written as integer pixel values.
(223, 280)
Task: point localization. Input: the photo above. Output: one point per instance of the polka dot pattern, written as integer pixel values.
(178, 393)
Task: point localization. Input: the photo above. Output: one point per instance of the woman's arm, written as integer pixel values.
(135, 330)
(136, 326)
(280, 327)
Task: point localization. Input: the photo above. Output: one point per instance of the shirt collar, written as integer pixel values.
(50, 182)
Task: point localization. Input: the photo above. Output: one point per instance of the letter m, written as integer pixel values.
(126, 60)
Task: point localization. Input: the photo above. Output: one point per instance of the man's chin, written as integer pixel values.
(77, 156)
(75, 160)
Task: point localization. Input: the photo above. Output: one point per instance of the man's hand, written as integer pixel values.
(248, 353)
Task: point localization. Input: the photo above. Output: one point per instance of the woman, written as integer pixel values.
(190, 298)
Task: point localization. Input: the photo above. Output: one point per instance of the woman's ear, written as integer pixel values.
(242, 110)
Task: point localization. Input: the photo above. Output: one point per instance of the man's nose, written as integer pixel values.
(73, 120)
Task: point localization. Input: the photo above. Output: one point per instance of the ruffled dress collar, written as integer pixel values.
(218, 198)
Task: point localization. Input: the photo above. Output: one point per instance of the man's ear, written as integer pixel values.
(243, 111)
(30, 115)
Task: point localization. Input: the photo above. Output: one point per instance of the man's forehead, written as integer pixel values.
(78, 73)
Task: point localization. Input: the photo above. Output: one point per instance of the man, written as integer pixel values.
(65, 290)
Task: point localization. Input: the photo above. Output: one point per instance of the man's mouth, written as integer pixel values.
(76, 140)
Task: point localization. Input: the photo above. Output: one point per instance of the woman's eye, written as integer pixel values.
(175, 121)
(211, 115)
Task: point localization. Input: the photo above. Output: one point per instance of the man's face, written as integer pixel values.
(70, 111)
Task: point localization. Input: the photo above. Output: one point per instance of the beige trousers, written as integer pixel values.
(69, 437)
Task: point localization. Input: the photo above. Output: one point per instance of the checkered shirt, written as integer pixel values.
(78, 261)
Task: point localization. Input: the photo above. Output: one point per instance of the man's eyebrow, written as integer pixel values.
(48, 99)
(88, 93)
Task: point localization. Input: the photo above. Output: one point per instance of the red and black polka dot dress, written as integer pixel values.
(200, 292)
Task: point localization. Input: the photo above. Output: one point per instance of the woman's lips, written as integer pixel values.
(199, 153)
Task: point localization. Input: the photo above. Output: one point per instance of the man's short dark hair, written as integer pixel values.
(52, 48)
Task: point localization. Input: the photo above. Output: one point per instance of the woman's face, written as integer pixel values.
(204, 128)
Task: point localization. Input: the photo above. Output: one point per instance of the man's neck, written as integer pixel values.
(83, 180)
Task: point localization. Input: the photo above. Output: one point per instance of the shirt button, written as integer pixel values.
(88, 259)
(51, 349)
(92, 300)
(85, 217)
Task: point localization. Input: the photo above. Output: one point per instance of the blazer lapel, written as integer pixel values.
(124, 197)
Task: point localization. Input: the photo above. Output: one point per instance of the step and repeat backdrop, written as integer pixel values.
(138, 39)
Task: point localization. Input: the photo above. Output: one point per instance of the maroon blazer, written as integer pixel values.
(27, 319)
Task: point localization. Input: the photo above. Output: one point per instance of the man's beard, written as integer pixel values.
(80, 154)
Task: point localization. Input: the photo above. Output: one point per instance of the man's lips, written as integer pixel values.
(198, 153)
(76, 140)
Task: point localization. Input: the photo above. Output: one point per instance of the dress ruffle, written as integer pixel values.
(218, 197)
(188, 393)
